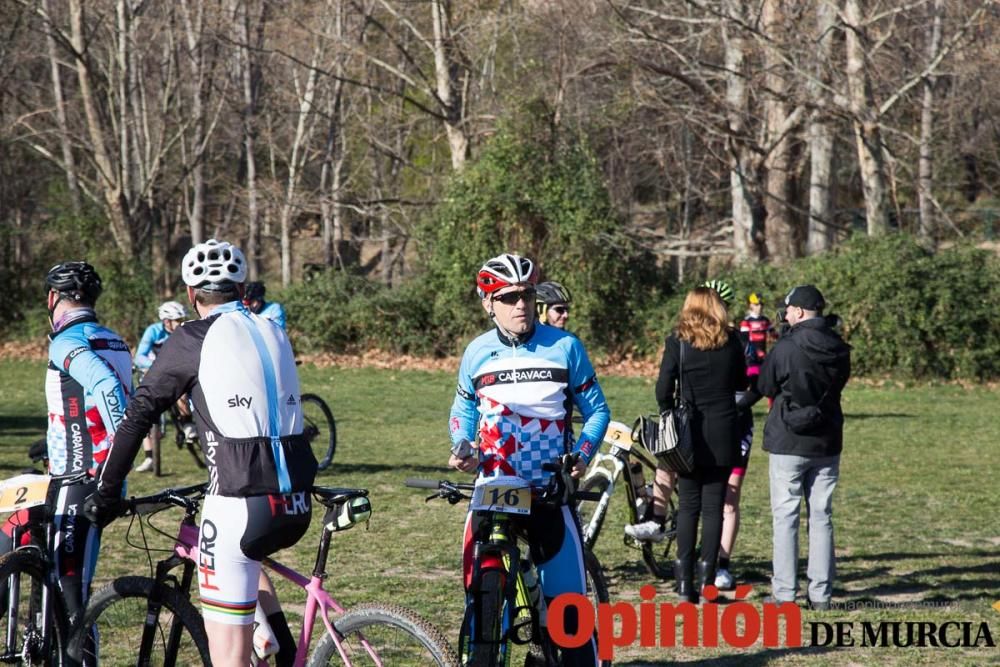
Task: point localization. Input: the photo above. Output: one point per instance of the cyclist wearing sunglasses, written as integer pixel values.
(517, 388)
(552, 301)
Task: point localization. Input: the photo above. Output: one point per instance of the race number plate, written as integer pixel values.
(507, 494)
(618, 434)
(23, 491)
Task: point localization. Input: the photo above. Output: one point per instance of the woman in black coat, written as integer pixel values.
(714, 369)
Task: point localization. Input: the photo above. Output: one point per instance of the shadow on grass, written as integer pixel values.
(759, 659)
(16, 426)
(879, 415)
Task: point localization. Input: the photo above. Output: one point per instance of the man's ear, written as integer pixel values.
(194, 304)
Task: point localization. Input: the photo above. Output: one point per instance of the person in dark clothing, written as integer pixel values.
(805, 374)
(710, 372)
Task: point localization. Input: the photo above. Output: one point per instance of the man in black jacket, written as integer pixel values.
(805, 374)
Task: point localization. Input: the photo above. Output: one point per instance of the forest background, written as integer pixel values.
(368, 155)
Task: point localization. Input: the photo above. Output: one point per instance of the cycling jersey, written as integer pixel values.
(274, 312)
(88, 382)
(240, 374)
(519, 399)
(756, 329)
(152, 340)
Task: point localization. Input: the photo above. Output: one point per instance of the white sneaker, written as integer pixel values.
(145, 466)
(724, 581)
(190, 432)
(647, 531)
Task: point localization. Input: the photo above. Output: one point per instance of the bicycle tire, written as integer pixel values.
(377, 623)
(15, 567)
(120, 610)
(491, 653)
(597, 585)
(322, 437)
(591, 521)
(656, 555)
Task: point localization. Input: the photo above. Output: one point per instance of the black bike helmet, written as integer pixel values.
(551, 292)
(75, 280)
(254, 291)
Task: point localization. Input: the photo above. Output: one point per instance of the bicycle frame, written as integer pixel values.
(318, 601)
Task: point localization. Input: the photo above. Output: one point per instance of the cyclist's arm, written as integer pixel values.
(142, 359)
(589, 398)
(464, 413)
(171, 375)
(275, 312)
(95, 375)
(666, 381)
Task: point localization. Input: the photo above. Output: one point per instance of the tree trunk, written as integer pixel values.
(116, 205)
(928, 223)
(821, 233)
(781, 236)
(245, 61)
(448, 88)
(867, 131)
(69, 164)
(741, 169)
(193, 29)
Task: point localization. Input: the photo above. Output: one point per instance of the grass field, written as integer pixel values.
(916, 510)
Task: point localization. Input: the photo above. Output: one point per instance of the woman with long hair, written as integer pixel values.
(703, 362)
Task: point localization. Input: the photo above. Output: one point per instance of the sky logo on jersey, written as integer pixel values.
(238, 401)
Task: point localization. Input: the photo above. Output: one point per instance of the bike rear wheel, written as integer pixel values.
(21, 638)
(121, 610)
(394, 636)
(656, 555)
(319, 426)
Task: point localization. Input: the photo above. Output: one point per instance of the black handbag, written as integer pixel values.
(674, 446)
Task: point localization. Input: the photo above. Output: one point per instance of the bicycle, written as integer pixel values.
(36, 626)
(153, 618)
(319, 426)
(627, 458)
(508, 606)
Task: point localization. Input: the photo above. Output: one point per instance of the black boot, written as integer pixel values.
(706, 574)
(685, 581)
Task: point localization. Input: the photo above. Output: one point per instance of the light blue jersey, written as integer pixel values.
(152, 340)
(519, 400)
(275, 312)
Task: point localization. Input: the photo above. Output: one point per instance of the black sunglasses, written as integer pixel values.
(560, 310)
(511, 298)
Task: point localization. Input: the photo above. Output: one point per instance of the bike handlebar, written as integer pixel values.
(185, 497)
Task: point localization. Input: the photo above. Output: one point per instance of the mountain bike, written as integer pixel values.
(626, 459)
(152, 618)
(505, 603)
(35, 628)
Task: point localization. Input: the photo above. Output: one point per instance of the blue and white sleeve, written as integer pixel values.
(142, 359)
(464, 412)
(589, 398)
(96, 377)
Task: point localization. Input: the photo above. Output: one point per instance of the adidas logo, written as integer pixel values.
(291, 400)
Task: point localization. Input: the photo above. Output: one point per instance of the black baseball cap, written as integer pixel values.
(806, 297)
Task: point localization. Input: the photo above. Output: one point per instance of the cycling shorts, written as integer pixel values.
(236, 534)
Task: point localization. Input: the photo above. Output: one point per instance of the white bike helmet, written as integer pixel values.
(213, 263)
(171, 310)
(505, 270)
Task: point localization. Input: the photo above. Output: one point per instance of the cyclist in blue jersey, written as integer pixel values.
(240, 372)
(253, 299)
(172, 315)
(518, 385)
(87, 386)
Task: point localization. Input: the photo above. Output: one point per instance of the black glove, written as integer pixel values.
(103, 506)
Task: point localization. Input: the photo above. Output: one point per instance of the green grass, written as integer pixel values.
(915, 511)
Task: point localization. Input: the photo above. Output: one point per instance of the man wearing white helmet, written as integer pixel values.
(240, 372)
(172, 315)
(518, 385)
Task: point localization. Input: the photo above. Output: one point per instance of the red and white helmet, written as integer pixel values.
(505, 270)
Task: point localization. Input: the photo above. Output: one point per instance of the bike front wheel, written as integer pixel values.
(320, 428)
(380, 634)
(132, 632)
(22, 639)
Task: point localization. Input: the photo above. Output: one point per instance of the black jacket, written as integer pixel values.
(711, 379)
(808, 366)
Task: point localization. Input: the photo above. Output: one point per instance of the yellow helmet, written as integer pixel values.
(755, 299)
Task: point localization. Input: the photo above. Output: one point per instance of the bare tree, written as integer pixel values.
(926, 164)
(820, 230)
